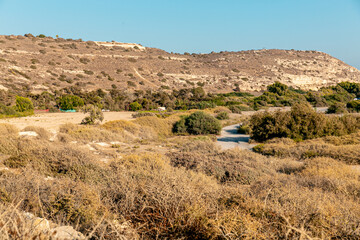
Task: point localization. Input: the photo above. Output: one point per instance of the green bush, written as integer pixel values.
(135, 106)
(351, 87)
(337, 108)
(354, 105)
(198, 123)
(222, 115)
(23, 104)
(244, 129)
(301, 123)
(278, 88)
(70, 102)
(6, 110)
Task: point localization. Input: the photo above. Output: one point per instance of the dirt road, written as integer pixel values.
(52, 121)
(230, 138)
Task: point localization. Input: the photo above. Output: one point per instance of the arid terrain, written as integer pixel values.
(258, 144)
(47, 64)
(52, 121)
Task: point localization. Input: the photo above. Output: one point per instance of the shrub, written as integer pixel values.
(95, 115)
(337, 108)
(354, 105)
(23, 104)
(277, 88)
(244, 129)
(198, 123)
(239, 108)
(70, 102)
(143, 114)
(299, 124)
(222, 115)
(135, 106)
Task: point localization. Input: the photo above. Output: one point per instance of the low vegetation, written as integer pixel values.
(197, 123)
(301, 123)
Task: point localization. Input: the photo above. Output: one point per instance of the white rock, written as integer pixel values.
(28, 133)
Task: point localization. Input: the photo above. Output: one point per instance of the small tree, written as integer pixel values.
(95, 115)
(69, 102)
(23, 104)
(135, 106)
(198, 123)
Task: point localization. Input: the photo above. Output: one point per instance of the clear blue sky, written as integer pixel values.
(200, 26)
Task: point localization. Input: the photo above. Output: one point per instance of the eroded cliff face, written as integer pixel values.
(47, 64)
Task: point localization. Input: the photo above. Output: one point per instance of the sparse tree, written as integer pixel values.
(95, 115)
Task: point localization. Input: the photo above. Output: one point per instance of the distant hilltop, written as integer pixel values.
(46, 64)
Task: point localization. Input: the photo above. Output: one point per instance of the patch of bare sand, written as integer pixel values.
(52, 121)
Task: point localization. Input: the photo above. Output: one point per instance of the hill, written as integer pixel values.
(46, 64)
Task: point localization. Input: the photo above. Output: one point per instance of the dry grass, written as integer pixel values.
(345, 148)
(42, 133)
(197, 192)
(162, 127)
(7, 129)
(86, 133)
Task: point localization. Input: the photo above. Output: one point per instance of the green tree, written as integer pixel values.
(278, 88)
(23, 104)
(135, 106)
(70, 102)
(198, 123)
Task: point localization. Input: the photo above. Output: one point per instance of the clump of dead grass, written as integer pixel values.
(42, 133)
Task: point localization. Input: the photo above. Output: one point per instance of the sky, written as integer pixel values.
(195, 26)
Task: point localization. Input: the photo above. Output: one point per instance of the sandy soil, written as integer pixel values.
(52, 121)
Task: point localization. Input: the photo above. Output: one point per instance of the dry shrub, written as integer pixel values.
(232, 166)
(62, 201)
(161, 126)
(350, 139)
(129, 130)
(88, 133)
(331, 175)
(298, 212)
(42, 133)
(220, 109)
(54, 159)
(15, 225)
(163, 201)
(285, 148)
(8, 129)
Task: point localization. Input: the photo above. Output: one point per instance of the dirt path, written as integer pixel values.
(230, 138)
(52, 121)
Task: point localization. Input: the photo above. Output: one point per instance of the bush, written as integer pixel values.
(239, 108)
(337, 108)
(354, 106)
(143, 114)
(135, 106)
(300, 124)
(198, 123)
(222, 115)
(23, 104)
(96, 115)
(69, 102)
(277, 88)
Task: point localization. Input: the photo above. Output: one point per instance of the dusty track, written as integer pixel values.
(230, 138)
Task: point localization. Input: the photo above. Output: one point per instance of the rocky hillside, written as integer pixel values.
(46, 64)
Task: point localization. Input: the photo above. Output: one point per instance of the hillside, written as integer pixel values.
(47, 64)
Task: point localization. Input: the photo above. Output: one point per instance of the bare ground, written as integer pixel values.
(52, 121)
